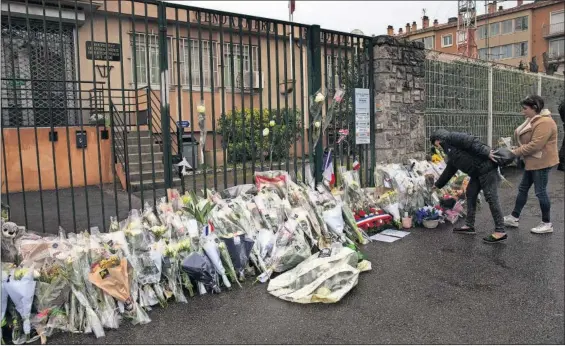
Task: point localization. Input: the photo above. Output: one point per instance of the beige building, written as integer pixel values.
(512, 36)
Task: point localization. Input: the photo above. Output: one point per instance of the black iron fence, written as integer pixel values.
(103, 103)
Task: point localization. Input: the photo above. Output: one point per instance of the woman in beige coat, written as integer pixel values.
(537, 146)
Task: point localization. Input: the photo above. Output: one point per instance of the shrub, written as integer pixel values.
(242, 133)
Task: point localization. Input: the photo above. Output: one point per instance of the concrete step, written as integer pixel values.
(143, 148)
(133, 158)
(147, 165)
(132, 139)
(146, 175)
(149, 185)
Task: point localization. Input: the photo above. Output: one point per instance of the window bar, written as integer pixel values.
(233, 130)
(261, 91)
(285, 74)
(302, 134)
(81, 120)
(180, 129)
(213, 67)
(269, 97)
(201, 79)
(188, 64)
(122, 79)
(251, 110)
(17, 128)
(50, 107)
(61, 45)
(242, 90)
(149, 104)
(294, 120)
(277, 83)
(135, 35)
(222, 74)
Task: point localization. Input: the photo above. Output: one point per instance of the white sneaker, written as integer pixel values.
(543, 228)
(511, 221)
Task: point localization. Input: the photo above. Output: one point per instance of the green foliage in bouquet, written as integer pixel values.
(243, 137)
(198, 207)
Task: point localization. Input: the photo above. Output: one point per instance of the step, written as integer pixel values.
(133, 158)
(146, 175)
(149, 185)
(133, 140)
(143, 148)
(146, 165)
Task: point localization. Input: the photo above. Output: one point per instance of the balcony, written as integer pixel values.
(553, 30)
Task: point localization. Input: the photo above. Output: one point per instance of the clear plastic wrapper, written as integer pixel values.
(210, 247)
(276, 181)
(21, 288)
(199, 268)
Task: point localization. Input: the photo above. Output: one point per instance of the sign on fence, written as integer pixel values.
(97, 51)
(362, 116)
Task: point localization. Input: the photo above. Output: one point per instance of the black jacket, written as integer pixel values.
(465, 153)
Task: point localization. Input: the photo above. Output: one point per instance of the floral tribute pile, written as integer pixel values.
(273, 232)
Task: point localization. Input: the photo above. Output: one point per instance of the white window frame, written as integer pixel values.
(483, 32)
(461, 38)
(192, 47)
(561, 52)
(526, 21)
(427, 39)
(560, 14)
(443, 37)
(237, 54)
(510, 23)
(140, 59)
(518, 49)
(490, 31)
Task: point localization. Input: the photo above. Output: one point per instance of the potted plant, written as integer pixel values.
(429, 217)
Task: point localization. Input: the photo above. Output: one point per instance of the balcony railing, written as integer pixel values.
(553, 30)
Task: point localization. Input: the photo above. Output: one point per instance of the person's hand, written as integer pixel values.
(492, 157)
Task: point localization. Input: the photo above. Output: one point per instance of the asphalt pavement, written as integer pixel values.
(431, 287)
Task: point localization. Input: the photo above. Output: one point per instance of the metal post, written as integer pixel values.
(164, 85)
(314, 84)
(373, 162)
(490, 91)
(539, 84)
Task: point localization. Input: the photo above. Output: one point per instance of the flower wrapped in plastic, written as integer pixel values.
(171, 271)
(276, 181)
(354, 232)
(4, 297)
(200, 269)
(290, 249)
(389, 202)
(21, 288)
(271, 209)
(239, 248)
(317, 102)
(333, 218)
(337, 98)
(354, 195)
(210, 246)
(51, 293)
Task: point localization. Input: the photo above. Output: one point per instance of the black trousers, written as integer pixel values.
(562, 153)
(489, 183)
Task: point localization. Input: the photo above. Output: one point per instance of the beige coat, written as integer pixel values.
(537, 140)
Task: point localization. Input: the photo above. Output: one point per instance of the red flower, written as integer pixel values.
(373, 210)
(362, 213)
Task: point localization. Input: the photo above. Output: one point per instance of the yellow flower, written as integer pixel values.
(271, 123)
(201, 109)
(265, 132)
(319, 98)
(436, 158)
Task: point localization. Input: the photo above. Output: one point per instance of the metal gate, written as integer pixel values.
(102, 101)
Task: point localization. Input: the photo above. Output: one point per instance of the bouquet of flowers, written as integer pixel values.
(389, 202)
(51, 293)
(428, 213)
(276, 181)
(355, 233)
(20, 288)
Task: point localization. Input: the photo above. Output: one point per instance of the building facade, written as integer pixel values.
(531, 33)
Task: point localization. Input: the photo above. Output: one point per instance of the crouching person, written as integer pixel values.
(467, 154)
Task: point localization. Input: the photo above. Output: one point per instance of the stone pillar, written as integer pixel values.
(399, 99)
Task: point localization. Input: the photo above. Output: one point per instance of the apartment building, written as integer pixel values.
(513, 36)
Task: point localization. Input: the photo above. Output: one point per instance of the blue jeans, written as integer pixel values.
(539, 179)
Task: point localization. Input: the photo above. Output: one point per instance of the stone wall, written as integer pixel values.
(399, 99)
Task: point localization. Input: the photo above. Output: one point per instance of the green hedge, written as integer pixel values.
(242, 133)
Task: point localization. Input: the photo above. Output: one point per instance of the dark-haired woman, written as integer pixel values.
(537, 145)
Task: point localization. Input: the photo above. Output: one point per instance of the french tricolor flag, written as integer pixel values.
(291, 6)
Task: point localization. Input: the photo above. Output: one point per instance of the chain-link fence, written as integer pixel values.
(483, 98)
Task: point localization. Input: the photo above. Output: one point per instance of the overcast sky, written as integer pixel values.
(371, 17)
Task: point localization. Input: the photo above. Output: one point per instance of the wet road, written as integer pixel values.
(431, 287)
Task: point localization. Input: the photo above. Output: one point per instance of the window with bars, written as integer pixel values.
(190, 53)
(146, 58)
(233, 58)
